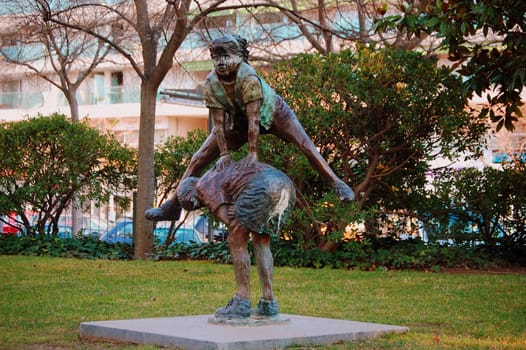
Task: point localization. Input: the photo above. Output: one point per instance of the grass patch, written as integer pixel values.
(43, 301)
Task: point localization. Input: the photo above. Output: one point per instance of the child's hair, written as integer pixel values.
(187, 194)
(232, 43)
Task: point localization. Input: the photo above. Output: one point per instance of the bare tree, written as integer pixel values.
(62, 56)
(281, 29)
(159, 29)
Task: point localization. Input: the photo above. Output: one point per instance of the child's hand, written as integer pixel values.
(231, 212)
(248, 161)
(223, 162)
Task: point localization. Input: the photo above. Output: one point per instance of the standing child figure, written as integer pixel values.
(253, 201)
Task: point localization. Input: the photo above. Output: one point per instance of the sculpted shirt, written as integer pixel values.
(249, 87)
(262, 195)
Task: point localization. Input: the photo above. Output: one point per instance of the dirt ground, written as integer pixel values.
(513, 270)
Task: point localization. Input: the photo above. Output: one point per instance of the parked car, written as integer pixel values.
(90, 226)
(457, 230)
(122, 232)
(12, 224)
(9, 224)
(219, 230)
(182, 235)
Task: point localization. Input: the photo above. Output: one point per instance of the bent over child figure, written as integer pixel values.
(243, 105)
(254, 200)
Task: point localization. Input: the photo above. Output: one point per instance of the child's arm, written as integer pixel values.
(225, 159)
(252, 109)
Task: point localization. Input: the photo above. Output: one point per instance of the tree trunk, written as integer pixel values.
(145, 185)
(76, 210)
(71, 96)
(362, 22)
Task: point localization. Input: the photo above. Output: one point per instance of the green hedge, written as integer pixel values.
(86, 247)
(370, 254)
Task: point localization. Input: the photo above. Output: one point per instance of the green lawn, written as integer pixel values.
(43, 301)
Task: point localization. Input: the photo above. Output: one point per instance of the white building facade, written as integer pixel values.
(110, 97)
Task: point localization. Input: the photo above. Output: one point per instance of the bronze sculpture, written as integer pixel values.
(250, 197)
(243, 105)
(255, 200)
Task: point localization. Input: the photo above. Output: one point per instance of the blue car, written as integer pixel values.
(122, 232)
(219, 230)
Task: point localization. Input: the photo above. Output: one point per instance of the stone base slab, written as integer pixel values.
(196, 332)
(252, 321)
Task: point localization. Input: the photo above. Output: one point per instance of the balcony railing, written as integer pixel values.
(114, 95)
(12, 100)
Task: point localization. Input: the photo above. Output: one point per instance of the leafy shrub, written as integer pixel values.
(377, 116)
(47, 161)
(369, 254)
(45, 245)
(217, 251)
(487, 205)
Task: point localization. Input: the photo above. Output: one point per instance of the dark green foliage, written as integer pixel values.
(172, 158)
(217, 251)
(498, 60)
(379, 117)
(85, 247)
(47, 160)
(386, 253)
(369, 254)
(472, 205)
(374, 113)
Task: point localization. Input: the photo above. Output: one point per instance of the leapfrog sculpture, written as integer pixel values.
(243, 105)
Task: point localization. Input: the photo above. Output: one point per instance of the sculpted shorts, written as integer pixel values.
(266, 201)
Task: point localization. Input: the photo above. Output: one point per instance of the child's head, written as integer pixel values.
(230, 45)
(187, 194)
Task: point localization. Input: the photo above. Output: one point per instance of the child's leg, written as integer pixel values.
(265, 263)
(170, 209)
(267, 305)
(237, 244)
(287, 126)
(204, 156)
(239, 305)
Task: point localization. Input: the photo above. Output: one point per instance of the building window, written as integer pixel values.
(160, 137)
(10, 94)
(129, 138)
(96, 93)
(510, 146)
(8, 41)
(221, 21)
(116, 87)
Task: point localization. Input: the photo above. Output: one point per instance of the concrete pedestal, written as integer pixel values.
(196, 332)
